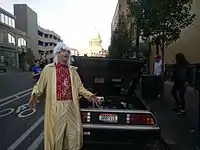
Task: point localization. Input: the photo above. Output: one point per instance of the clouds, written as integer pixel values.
(72, 19)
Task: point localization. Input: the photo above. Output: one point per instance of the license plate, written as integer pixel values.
(111, 118)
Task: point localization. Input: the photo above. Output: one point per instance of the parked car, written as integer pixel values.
(3, 67)
(123, 117)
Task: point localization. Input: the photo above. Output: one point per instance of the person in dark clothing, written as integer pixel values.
(179, 77)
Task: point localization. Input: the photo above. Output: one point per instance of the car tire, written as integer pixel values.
(156, 145)
(4, 70)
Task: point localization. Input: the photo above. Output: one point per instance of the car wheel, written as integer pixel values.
(156, 145)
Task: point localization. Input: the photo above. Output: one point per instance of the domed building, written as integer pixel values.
(95, 45)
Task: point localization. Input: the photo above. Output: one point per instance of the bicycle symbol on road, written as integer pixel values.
(22, 111)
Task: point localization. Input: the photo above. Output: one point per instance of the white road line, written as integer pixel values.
(37, 142)
(26, 134)
(15, 99)
(14, 95)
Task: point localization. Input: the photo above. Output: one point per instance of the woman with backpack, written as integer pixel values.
(179, 77)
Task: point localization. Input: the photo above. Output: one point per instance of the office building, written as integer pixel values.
(13, 42)
(47, 40)
(42, 41)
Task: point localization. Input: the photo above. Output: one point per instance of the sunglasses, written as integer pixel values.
(66, 50)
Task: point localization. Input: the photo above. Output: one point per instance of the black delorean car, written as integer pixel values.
(123, 117)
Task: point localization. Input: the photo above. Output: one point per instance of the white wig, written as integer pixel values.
(60, 46)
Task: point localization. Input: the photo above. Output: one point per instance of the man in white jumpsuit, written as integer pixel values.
(61, 85)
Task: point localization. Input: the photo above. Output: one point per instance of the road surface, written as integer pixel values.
(13, 82)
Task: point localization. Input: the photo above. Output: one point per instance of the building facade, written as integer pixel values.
(42, 41)
(26, 21)
(115, 19)
(13, 42)
(121, 9)
(188, 43)
(47, 40)
(75, 52)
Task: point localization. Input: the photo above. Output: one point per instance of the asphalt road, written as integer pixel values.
(13, 82)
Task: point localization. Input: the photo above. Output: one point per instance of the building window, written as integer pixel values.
(46, 44)
(50, 36)
(11, 39)
(1, 37)
(40, 33)
(2, 18)
(6, 19)
(40, 43)
(12, 23)
(21, 42)
(46, 35)
(55, 38)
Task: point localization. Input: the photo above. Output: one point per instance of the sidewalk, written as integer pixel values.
(180, 132)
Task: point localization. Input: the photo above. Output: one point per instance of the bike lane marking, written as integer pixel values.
(26, 134)
(8, 102)
(15, 95)
(6, 112)
(37, 142)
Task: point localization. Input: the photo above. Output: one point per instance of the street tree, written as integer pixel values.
(121, 42)
(161, 21)
(29, 57)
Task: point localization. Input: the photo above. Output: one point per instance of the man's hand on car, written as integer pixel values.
(95, 100)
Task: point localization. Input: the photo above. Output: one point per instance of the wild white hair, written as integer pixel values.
(58, 48)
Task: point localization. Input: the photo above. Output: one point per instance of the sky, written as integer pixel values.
(73, 20)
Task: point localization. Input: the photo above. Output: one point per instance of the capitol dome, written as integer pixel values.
(94, 34)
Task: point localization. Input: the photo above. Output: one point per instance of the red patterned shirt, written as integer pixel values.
(63, 83)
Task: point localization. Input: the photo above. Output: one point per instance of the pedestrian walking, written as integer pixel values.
(36, 70)
(62, 85)
(158, 74)
(179, 78)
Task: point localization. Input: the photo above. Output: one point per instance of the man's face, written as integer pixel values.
(157, 59)
(63, 55)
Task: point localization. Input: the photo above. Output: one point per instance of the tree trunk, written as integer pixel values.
(137, 40)
(149, 58)
(157, 48)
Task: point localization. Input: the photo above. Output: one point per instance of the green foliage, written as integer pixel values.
(29, 57)
(121, 42)
(161, 20)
